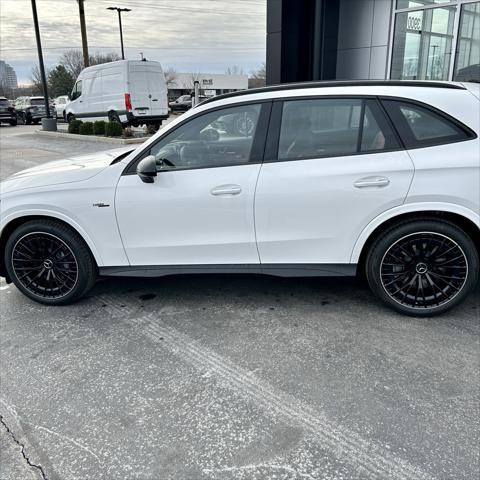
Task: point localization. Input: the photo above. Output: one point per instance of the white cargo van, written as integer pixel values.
(132, 92)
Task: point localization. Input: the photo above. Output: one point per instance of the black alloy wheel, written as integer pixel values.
(424, 270)
(423, 267)
(49, 262)
(45, 265)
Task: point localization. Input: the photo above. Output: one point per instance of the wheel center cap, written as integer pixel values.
(421, 268)
(48, 264)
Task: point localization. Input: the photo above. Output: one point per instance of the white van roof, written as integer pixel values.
(119, 63)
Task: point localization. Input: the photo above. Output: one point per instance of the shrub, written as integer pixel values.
(128, 132)
(74, 126)
(86, 128)
(113, 129)
(99, 127)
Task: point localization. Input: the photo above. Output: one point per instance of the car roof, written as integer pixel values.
(342, 83)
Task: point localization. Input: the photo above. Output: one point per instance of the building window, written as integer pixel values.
(418, 3)
(435, 40)
(422, 45)
(467, 65)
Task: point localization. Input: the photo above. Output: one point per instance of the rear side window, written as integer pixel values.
(316, 128)
(422, 127)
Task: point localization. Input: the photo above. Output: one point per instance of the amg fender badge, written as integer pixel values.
(101, 205)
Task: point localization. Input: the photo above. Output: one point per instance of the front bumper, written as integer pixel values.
(8, 117)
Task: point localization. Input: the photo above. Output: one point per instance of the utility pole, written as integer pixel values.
(48, 123)
(119, 11)
(83, 29)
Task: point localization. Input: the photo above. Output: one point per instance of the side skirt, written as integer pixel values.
(278, 270)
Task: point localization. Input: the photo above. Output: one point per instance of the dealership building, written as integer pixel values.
(211, 84)
(373, 39)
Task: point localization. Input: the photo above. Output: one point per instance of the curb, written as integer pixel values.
(91, 138)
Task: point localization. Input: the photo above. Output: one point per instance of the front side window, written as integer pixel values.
(77, 90)
(332, 127)
(419, 126)
(217, 139)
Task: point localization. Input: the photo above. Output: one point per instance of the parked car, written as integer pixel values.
(59, 104)
(375, 178)
(30, 109)
(181, 104)
(7, 112)
(127, 91)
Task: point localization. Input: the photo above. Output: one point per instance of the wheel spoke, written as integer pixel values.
(45, 265)
(420, 276)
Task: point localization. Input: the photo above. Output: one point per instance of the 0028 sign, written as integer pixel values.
(414, 23)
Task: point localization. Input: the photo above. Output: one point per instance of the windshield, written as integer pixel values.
(4, 102)
(37, 101)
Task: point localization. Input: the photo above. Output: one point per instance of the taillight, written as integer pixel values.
(128, 102)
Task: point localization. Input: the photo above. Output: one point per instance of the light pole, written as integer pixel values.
(48, 123)
(120, 10)
(83, 30)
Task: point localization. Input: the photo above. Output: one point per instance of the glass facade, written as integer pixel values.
(436, 40)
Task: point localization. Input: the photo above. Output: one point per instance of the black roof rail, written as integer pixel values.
(337, 83)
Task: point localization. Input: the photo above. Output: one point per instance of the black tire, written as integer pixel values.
(37, 121)
(70, 118)
(28, 120)
(113, 117)
(423, 267)
(65, 266)
(21, 118)
(13, 123)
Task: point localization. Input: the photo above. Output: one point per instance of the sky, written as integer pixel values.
(204, 36)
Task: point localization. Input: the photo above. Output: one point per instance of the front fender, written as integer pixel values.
(49, 213)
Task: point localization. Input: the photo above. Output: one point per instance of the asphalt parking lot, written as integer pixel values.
(231, 377)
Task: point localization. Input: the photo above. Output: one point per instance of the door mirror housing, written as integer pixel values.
(147, 169)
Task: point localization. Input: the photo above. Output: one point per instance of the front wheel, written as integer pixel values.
(49, 262)
(423, 267)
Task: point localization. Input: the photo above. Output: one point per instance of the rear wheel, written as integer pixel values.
(21, 118)
(49, 262)
(13, 123)
(423, 268)
(37, 121)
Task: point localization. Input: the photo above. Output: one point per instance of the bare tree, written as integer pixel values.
(189, 84)
(171, 76)
(72, 60)
(234, 70)
(37, 80)
(258, 78)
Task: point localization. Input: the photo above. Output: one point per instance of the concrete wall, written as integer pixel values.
(363, 39)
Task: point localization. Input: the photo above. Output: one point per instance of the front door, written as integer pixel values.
(337, 166)
(199, 210)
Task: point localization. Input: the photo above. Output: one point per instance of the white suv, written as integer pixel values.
(324, 179)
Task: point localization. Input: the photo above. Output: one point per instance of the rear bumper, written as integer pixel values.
(145, 118)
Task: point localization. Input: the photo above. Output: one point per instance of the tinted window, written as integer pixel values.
(216, 139)
(419, 126)
(3, 102)
(332, 127)
(37, 101)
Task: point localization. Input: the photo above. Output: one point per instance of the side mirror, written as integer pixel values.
(147, 169)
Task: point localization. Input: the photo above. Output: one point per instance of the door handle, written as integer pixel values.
(372, 182)
(226, 190)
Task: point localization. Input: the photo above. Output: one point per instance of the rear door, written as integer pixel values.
(332, 165)
(139, 89)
